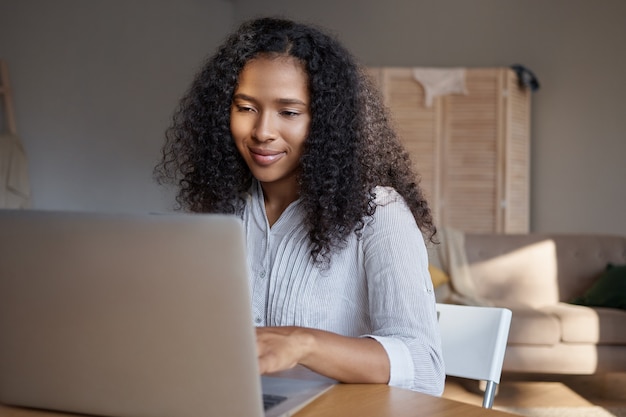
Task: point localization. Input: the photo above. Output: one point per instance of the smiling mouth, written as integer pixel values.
(265, 157)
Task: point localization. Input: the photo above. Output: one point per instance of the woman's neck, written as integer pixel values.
(277, 198)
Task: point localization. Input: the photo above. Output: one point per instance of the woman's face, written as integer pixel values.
(270, 118)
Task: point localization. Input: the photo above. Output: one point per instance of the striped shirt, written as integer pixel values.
(378, 286)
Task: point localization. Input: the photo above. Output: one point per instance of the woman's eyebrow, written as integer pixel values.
(241, 96)
(291, 101)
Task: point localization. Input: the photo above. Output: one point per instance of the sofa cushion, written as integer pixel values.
(580, 259)
(608, 291)
(438, 276)
(534, 327)
(583, 258)
(580, 324)
(513, 270)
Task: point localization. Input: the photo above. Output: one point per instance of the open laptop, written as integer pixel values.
(132, 315)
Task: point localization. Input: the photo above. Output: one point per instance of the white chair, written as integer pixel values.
(473, 343)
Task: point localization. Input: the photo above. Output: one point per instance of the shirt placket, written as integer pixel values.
(261, 281)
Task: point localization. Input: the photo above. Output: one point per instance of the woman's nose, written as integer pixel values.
(264, 128)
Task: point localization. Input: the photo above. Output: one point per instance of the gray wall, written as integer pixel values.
(96, 81)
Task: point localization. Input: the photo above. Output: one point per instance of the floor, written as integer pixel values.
(522, 390)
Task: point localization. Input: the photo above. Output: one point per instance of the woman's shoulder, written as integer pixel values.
(392, 216)
(390, 206)
(386, 195)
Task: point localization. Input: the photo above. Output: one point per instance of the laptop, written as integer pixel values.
(132, 315)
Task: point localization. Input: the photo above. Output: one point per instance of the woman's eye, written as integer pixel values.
(244, 109)
(289, 113)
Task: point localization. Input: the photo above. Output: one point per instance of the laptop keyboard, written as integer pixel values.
(270, 401)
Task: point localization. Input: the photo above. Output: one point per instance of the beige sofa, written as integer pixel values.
(535, 276)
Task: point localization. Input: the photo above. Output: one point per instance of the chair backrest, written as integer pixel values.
(474, 342)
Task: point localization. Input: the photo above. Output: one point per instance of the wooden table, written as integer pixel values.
(354, 400)
(350, 400)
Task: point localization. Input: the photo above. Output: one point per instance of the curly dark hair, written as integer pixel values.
(351, 147)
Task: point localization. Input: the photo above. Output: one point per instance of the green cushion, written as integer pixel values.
(608, 291)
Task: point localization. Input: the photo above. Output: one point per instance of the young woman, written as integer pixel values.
(282, 128)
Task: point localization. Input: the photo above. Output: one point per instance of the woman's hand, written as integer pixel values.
(346, 359)
(281, 348)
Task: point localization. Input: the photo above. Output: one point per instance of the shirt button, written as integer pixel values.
(262, 274)
(257, 320)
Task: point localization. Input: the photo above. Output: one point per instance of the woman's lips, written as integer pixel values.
(265, 157)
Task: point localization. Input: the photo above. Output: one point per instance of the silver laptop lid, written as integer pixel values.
(126, 314)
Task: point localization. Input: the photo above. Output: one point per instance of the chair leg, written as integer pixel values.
(490, 393)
